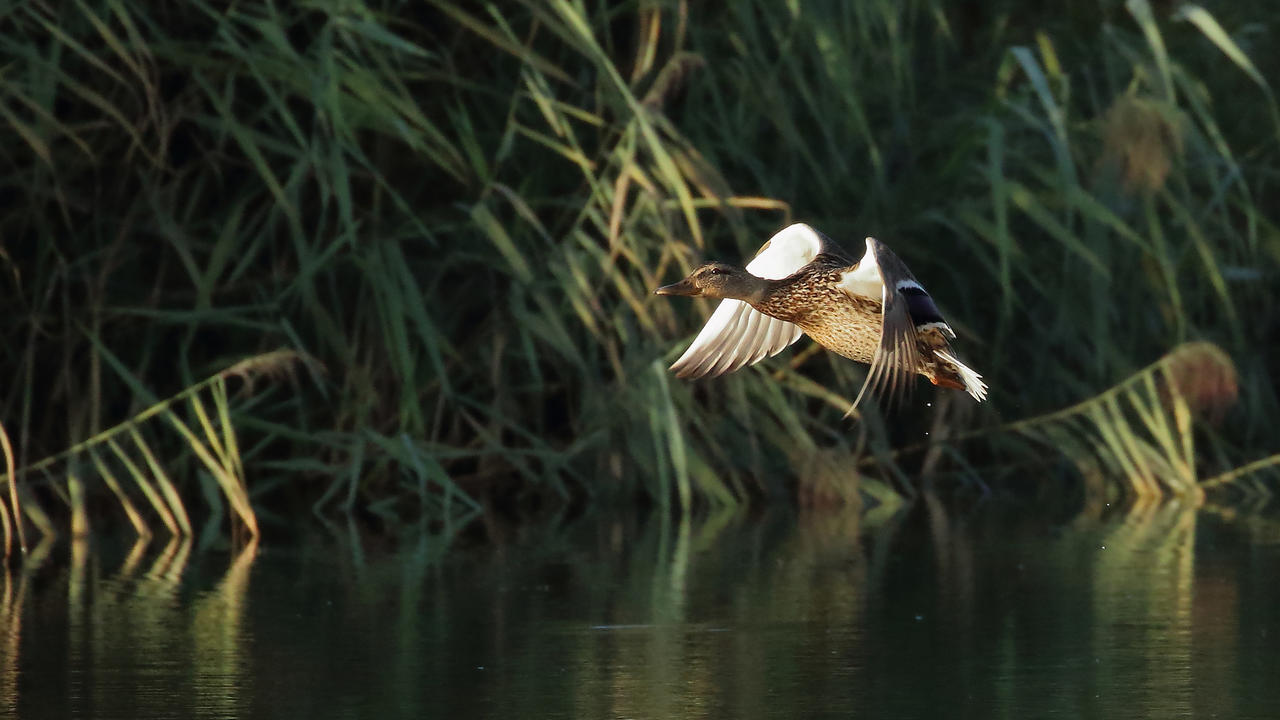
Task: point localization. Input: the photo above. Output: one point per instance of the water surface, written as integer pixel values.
(988, 612)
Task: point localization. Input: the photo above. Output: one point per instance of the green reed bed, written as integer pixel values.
(460, 212)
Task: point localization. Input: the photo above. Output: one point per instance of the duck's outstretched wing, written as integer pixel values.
(737, 334)
(907, 308)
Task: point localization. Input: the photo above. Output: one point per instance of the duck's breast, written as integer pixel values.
(845, 325)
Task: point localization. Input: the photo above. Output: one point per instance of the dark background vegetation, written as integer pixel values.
(455, 213)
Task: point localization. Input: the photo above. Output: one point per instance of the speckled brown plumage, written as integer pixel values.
(813, 299)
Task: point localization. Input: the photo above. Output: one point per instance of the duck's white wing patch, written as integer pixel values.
(894, 364)
(790, 249)
(864, 279)
(738, 335)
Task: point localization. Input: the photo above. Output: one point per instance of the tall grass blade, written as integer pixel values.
(135, 518)
(176, 507)
(157, 502)
(10, 464)
(232, 486)
(1207, 24)
(1142, 14)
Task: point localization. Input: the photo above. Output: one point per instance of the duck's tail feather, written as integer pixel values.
(972, 381)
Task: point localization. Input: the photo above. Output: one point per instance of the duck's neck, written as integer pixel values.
(749, 288)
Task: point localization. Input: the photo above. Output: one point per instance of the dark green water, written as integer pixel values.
(983, 613)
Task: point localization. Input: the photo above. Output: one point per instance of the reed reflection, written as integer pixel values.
(12, 599)
(130, 641)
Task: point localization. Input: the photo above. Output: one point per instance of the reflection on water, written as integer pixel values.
(1159, 612)
(126, 638)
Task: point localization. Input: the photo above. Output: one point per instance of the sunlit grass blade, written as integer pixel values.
(230, 446)
(232, 486)
(10, 464)
(1238, 474)
(135, 518)
(79, 516)
(1143, 15)
(1208, 25)
(171, 496)
(157, 502)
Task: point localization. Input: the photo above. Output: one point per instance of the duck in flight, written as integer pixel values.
(871, 310)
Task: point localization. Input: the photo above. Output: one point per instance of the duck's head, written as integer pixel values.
(717, 280)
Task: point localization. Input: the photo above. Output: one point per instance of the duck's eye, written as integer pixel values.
(716, 271)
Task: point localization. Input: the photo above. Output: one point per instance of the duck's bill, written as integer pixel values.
(684, 287)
